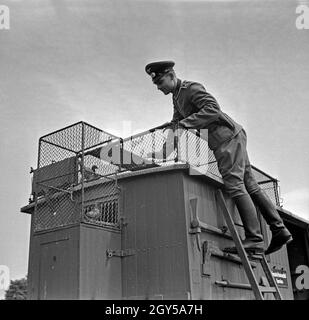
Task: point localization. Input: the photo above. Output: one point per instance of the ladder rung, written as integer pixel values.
(226, 283)
(255, 256)
(267, 289)
(215, 251)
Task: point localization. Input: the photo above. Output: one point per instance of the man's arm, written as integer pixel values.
(176, 116)
(209, 110)
(169, 143)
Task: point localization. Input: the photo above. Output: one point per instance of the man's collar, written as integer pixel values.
(175, 94)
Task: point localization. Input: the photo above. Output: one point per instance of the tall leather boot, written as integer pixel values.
(254, 239)
(280, 234)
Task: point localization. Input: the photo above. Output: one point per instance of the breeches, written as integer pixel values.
(234, 166)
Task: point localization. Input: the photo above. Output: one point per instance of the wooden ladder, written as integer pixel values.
(258, 290)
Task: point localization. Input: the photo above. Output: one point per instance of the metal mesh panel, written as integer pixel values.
(268, 184)
(65, 170)
(103, 212)
(96, 168)
(160, 147)
(212, 165)
(139, 150)
(260, 176)
(101, 203)
(272, 191)
(150, 149)
(94, 136)
(72, 137)
(192, 148)
(69, 138)
(56, 210)
(50, 154)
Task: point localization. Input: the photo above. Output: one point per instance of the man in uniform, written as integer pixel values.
(195, 108)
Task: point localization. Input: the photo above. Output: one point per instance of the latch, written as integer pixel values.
(119, 253)
(207, 251)
(195, 222)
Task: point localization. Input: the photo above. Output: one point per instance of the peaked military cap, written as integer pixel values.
(158, 69)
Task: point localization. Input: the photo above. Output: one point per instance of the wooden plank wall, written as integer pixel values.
(167, 262)
(280, 260)
(54, 264)
(210, 213)
(99, 276)
(154, 220)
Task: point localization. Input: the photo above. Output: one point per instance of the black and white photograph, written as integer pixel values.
(154, 150)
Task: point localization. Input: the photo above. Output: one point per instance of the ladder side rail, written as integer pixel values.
(240, 249)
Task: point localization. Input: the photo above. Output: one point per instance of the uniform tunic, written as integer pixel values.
(195, 108)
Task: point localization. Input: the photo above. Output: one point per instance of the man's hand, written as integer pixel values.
(180, 125)
(163, 126)
(168, 125)
(172, 126)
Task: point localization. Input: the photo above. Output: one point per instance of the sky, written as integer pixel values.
(66, 61)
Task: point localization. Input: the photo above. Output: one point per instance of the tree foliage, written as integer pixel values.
(17, 290)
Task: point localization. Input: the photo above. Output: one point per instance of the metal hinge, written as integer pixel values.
(120, 253)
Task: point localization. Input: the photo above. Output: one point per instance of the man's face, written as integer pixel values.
(165, 84)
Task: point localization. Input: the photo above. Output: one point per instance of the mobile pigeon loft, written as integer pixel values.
(108, 222)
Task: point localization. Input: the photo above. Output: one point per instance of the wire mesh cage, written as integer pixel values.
(72, 159)
(65, 168)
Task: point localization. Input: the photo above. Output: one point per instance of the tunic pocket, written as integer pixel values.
(219, 135)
